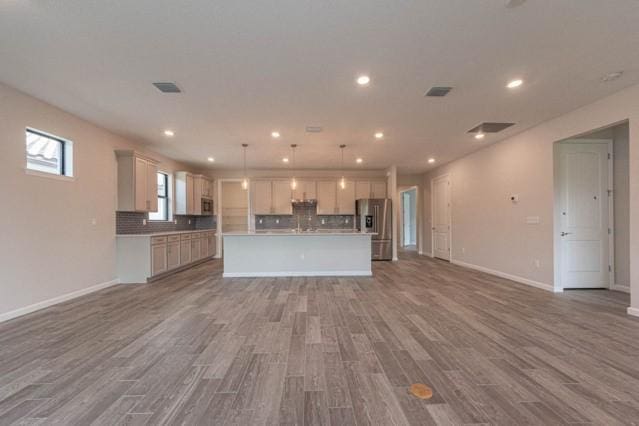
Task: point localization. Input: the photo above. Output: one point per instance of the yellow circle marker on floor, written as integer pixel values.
(421, 391)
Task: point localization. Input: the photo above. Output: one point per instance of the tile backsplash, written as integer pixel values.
(308, 217)
(133, 223)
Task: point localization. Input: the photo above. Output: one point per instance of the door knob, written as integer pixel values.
(563, 234)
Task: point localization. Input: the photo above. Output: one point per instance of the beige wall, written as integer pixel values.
(622, 204)
(491, 232)
(49, 246)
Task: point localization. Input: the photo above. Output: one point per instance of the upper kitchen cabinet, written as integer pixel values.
(137, 182)
(190, 189)
(282, 197)
(346, 198)
(185, 193)
(305, 190)
(378, 189)
(326, 197)
(271, 197)
(370, 189)
(261, 197)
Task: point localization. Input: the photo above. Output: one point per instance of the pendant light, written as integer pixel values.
(293, 181)
(342, 181)
(245, 180)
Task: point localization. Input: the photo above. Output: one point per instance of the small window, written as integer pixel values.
(48, 154)
(163, 199)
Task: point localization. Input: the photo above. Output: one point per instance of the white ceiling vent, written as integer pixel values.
(167, 87)
(313, 129)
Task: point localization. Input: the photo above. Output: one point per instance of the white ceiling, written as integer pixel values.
(249, 67)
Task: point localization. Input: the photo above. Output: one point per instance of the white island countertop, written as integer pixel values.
(292, 253)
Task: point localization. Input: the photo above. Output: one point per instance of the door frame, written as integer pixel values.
(450, 215)
(218, 211)
(401, 217)
(558, 286)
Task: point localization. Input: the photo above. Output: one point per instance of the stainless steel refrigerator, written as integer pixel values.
(375, 215)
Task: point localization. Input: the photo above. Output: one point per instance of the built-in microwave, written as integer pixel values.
(207, 206)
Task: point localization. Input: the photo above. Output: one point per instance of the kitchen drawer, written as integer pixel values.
(185, 237)
(173, 238)
(158, 240)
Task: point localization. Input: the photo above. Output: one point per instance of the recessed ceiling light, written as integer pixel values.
(359, 161)
(513, 84)
(275, 134)
(211, 159)
(431, 160)
(379, 135)
(480, 136)
(363, 80)
(612, 76)
(169, 133)
(285, 160)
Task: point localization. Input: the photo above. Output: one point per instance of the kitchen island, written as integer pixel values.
(295, 253)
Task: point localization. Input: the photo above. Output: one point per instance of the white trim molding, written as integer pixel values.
(298, 274)
(516, 278)
(619, 287)
(633, 311)
(50, 302)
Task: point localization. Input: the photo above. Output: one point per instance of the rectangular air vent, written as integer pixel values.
(313, 129)
(438, 91)
(166, 87)
(490, 127)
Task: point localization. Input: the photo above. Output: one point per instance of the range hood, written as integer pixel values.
(306, 202)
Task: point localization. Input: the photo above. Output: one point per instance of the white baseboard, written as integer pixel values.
(46, 303)
(633, 311)
(618, 287)
(515, 278)
(297, 274)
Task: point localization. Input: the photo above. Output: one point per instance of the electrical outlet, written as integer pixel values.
(143, 222)
(175, 221)
(94, 221)
(323, 221)
(189, 221)
(537, 263)
(260, 221)
(277, 221)
(348, 221)
(463, 250)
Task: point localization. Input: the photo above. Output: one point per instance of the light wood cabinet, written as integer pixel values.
(305, 190)
(158, 259)
(204, 247)
(326, 197)
(281, 199)
(173, 255)
(362, 190)
(378, 190)
(185, 252)
(262, 196)
(196, 253)
(271, 197)
(346, 198)
(185, 200)
(137, 182)
(370, 189)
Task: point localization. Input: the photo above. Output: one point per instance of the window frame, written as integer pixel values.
(166, 199)
(65, 169)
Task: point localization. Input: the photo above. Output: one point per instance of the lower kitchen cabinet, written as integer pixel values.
(143, 257)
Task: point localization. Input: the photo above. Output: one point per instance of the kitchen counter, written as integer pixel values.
(293, 232)
(159, 234)
(288, 253)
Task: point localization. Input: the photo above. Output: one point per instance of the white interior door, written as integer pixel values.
(583, 215)
(441, 217)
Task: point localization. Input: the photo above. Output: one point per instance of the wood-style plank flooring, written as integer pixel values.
(198, 349)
